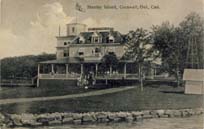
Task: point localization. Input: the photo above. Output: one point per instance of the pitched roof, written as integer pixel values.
(117, 36)
(193, 74)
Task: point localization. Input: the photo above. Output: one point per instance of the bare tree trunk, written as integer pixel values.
(139, 72)
(178, 76)
(141, 83)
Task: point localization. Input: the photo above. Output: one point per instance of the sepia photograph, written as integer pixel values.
(101, 64)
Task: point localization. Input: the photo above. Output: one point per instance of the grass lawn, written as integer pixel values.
(44, 91)
(153, 97)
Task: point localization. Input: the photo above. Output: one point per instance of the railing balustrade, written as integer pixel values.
(58, 76)
(99, 76)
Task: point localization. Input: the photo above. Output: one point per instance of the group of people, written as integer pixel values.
(86, 80)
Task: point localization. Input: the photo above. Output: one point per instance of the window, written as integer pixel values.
(111, 38)
(73, 29)
(110, 41)
(65, 54)
(97, 50)
(81, 39)
(65, 43)
(111, 53)
(81, 53)
(96, 40)
(96, 37)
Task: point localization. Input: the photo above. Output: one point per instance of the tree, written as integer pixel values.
(193, 27)
(169, 42)
(172, 43)
(110, 60)
(22, 66)
(140, 50)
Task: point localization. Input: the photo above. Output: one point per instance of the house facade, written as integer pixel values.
(81, 51)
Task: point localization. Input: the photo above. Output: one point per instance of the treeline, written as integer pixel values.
(181, 46)
(178, 47)
(23, 66)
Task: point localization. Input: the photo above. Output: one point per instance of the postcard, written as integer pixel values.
(101, 64)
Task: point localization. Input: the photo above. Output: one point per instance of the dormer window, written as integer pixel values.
(96, 38)
(81, 39)
(111, 38)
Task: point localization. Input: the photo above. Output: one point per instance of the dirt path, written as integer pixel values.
(91, 93)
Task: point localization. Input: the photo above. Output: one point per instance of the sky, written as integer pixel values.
(30, 26)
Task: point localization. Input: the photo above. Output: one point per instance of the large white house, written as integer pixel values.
(82, 50)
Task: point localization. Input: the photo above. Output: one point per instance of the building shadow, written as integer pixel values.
(173, 92)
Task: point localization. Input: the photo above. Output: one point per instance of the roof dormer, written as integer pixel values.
(81, 39)
(111, 38)
(96, 38)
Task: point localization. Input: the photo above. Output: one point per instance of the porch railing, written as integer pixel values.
(58, 76)
(117, 76)
(100, 76)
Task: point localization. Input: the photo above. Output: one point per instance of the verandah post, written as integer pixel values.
(111, 69)
(96, 69)
(52, 67)
(82, 69)
(67, 70)
(141, 76)
(38, 76)
(125, 70)
(52, 70)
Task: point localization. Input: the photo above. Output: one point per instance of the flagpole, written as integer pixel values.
(79, 8)
(1, 2)
(59, 31)
(76, 11)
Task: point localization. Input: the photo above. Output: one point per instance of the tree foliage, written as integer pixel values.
(22, 66)
(139, 45)
(165, 40)
(110, 60)
(140, 50)
(193, 27)
(172, 42)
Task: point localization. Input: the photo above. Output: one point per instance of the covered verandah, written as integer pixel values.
(72, 69)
